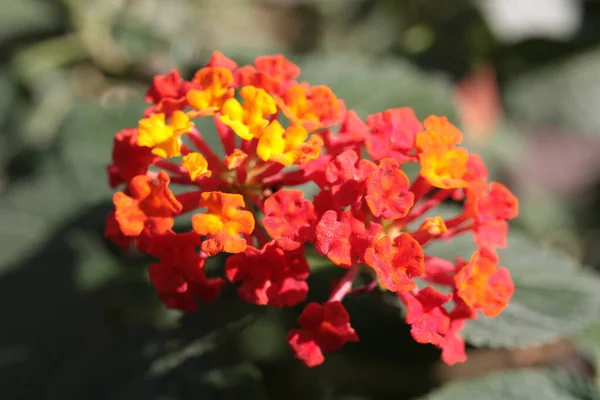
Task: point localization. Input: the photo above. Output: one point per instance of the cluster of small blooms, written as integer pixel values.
(277, 133)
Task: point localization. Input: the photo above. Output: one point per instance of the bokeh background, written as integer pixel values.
(79, 317)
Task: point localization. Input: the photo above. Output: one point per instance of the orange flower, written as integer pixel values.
(313, 107)
(235, 159)
(223, 223)
(435, 226)
(480, 285)
(216, 89)
(196, 165)
(396, 262)
(439, 134)
(442, 164)
(149, 204)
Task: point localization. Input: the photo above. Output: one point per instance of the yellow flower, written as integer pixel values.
(196, 165)
(248, 120)
(163, 138)
(287, 146)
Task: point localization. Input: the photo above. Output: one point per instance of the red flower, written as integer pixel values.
(431, 323)
(387, 191)
(270, 73)
(453, 346)
(167, 93)
(217, 59)
(128, 159)
(270, 275)
(428, 320)
(351, 135)
(179, 278)
(277, 67)
(346, 175)
(497, 204)
(322, 328)
(289, 219)
(490, 209)
(393, 134)
(344, 238)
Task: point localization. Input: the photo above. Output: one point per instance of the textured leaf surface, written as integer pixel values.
(519, 385)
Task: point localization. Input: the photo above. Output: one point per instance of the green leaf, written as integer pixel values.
(8, 88)
(554, 295)
(533, 96)
(87, 136)
(370, 86)
(588, 342)
(519, 385)
(31, 209)
(24, 16)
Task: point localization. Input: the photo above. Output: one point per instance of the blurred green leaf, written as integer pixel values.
(554, 295)
(588, 342)
(562, 94)
(96, 266)
(24, 16)
(519, 385)
(371, 86)
(87, 137)
(8, 90)
(69, 182)
(30, 209)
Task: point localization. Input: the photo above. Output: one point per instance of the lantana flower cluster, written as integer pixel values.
(277, 133)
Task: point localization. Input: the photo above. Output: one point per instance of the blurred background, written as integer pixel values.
(80, 320)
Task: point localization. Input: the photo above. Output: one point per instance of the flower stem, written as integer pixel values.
(345, 284)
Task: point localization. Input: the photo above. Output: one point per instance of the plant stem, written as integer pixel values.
(345, 284)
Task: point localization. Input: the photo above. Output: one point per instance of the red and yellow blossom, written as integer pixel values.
(314, 107)
(481, 285)
(367, 215)
(434, 226)
(443, 164)
(214, 89)
(396, 261)
(223, 223)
